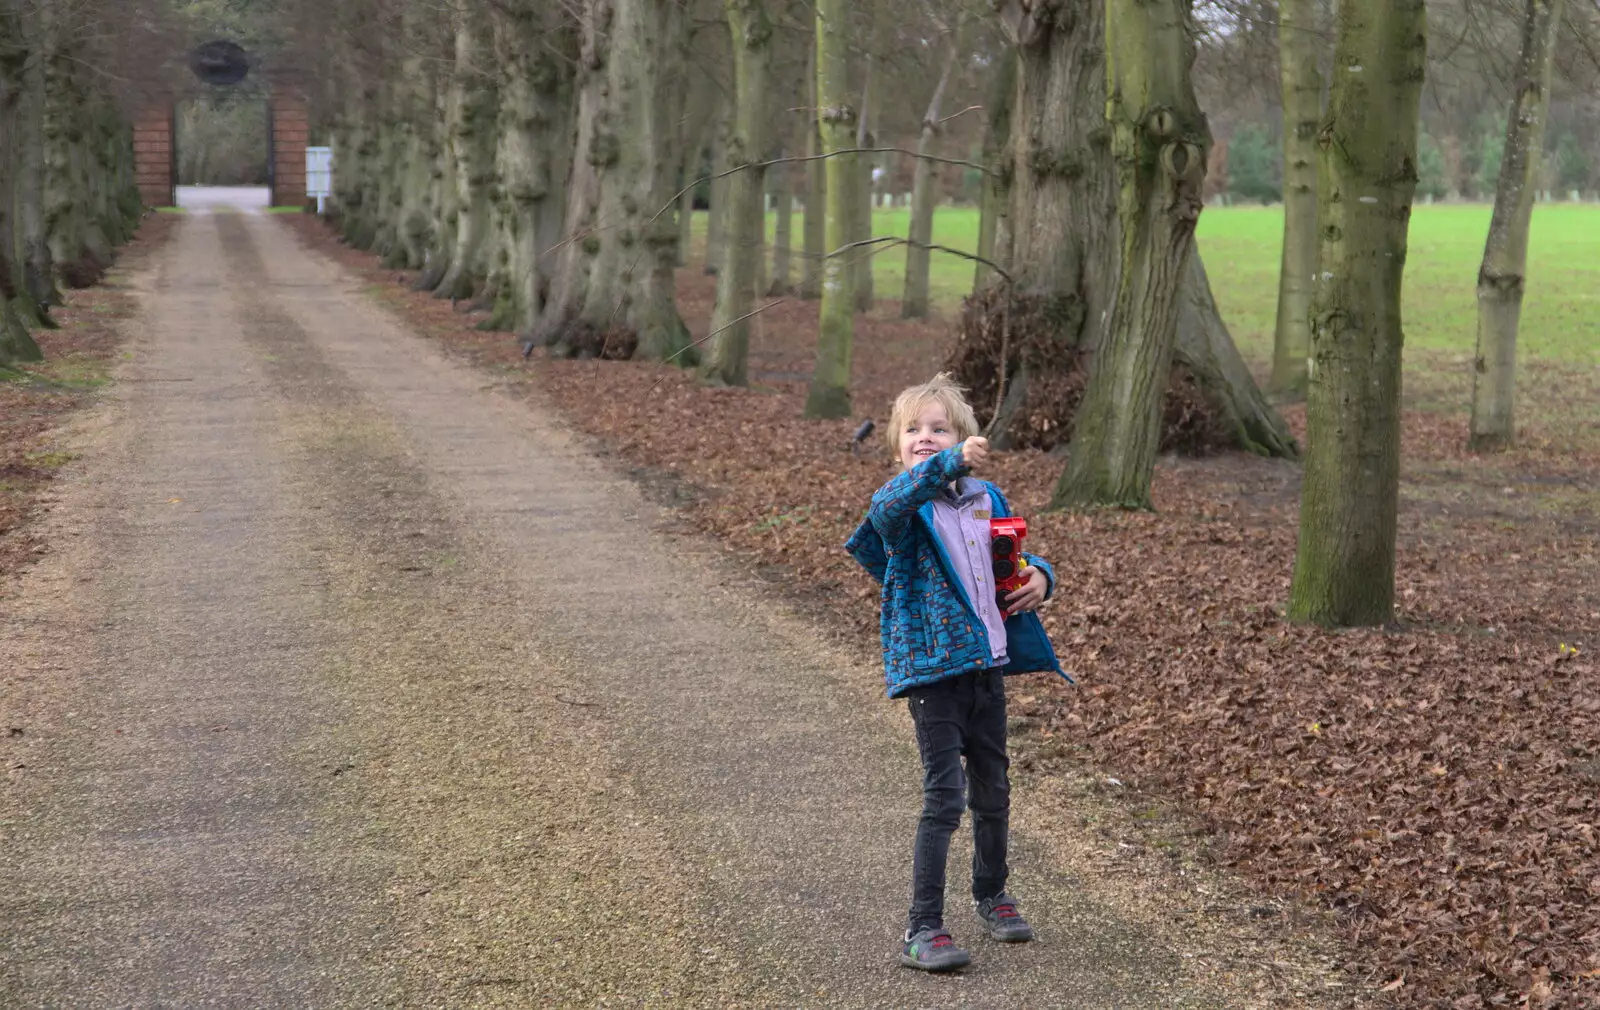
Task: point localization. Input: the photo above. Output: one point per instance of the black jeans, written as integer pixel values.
(962, 717)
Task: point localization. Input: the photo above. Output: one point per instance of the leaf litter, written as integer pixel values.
(1433, 784)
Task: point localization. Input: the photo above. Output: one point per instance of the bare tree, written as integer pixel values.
(1301, 88)
(1505, 253)
(829, 395)
(744, 218)
(1344, 565)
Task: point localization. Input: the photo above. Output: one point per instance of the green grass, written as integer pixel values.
(1242, 247)
(286, 210)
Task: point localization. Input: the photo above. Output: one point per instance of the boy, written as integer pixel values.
(946, 644)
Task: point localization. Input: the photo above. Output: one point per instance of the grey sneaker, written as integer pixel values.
(1002, 921)
(933, 950)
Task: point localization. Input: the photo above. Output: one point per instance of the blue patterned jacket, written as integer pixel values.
(929, 627)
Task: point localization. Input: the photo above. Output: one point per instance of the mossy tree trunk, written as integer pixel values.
(444, 194)
(415, 224)
(745, 218)
(1159, 146)
(1501, 278)
(569, 273)
(626, 235)
(1300, 82)
(1344, 566)
(38, 268)
(1059, 237)
(475, 102)
(829, 393)
(15, 342)
(535, 119)
(914, 295)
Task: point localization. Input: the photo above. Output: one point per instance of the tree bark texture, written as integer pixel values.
(630, 141)
(1063, 183)
(15, 342)
(1159, 145)
(829, 393)
(914, 295)
(475, 102)
(444, 194)
(1502, 276)
(745, 218)
(38, 268)
(535, 159)
(1344, 566)
(1300, 82)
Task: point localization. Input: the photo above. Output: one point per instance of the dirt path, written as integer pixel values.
(355, 683)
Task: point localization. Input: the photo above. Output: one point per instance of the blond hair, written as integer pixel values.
(940, 389)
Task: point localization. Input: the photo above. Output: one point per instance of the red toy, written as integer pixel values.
(1005, 544)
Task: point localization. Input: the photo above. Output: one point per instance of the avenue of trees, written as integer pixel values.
(67, 194)
(539, 160)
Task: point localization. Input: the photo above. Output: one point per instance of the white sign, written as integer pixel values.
(319, 174)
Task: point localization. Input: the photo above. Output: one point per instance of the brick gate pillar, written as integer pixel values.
(155, 156)
(291, 131)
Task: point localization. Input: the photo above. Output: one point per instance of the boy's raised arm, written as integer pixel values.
(894, 504)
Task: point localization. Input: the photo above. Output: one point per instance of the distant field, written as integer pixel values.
(1242, 246)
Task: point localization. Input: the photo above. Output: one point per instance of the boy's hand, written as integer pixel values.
(1028, 597)
(973, 451)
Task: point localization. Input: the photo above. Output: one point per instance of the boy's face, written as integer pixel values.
(927, 432)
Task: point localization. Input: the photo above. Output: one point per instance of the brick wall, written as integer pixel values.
(155, 155)
(291, 130)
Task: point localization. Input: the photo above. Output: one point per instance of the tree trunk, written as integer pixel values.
(994, 228)
(717, 194)
(569, 275)
(476, 105)
(78, 252)
(38, 269)
(829, 394)
(1505, 253)
(15, 343)
(442, 189)
(629, 292)
(745, 219)
(1344, 567)
(1063, 184)
(816, 193)
(535, 121)
(1159, 144)
(416, 211)
(782, 280)
(1301, 87)
(914, 299)
(1060, 242)
(861, 257)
